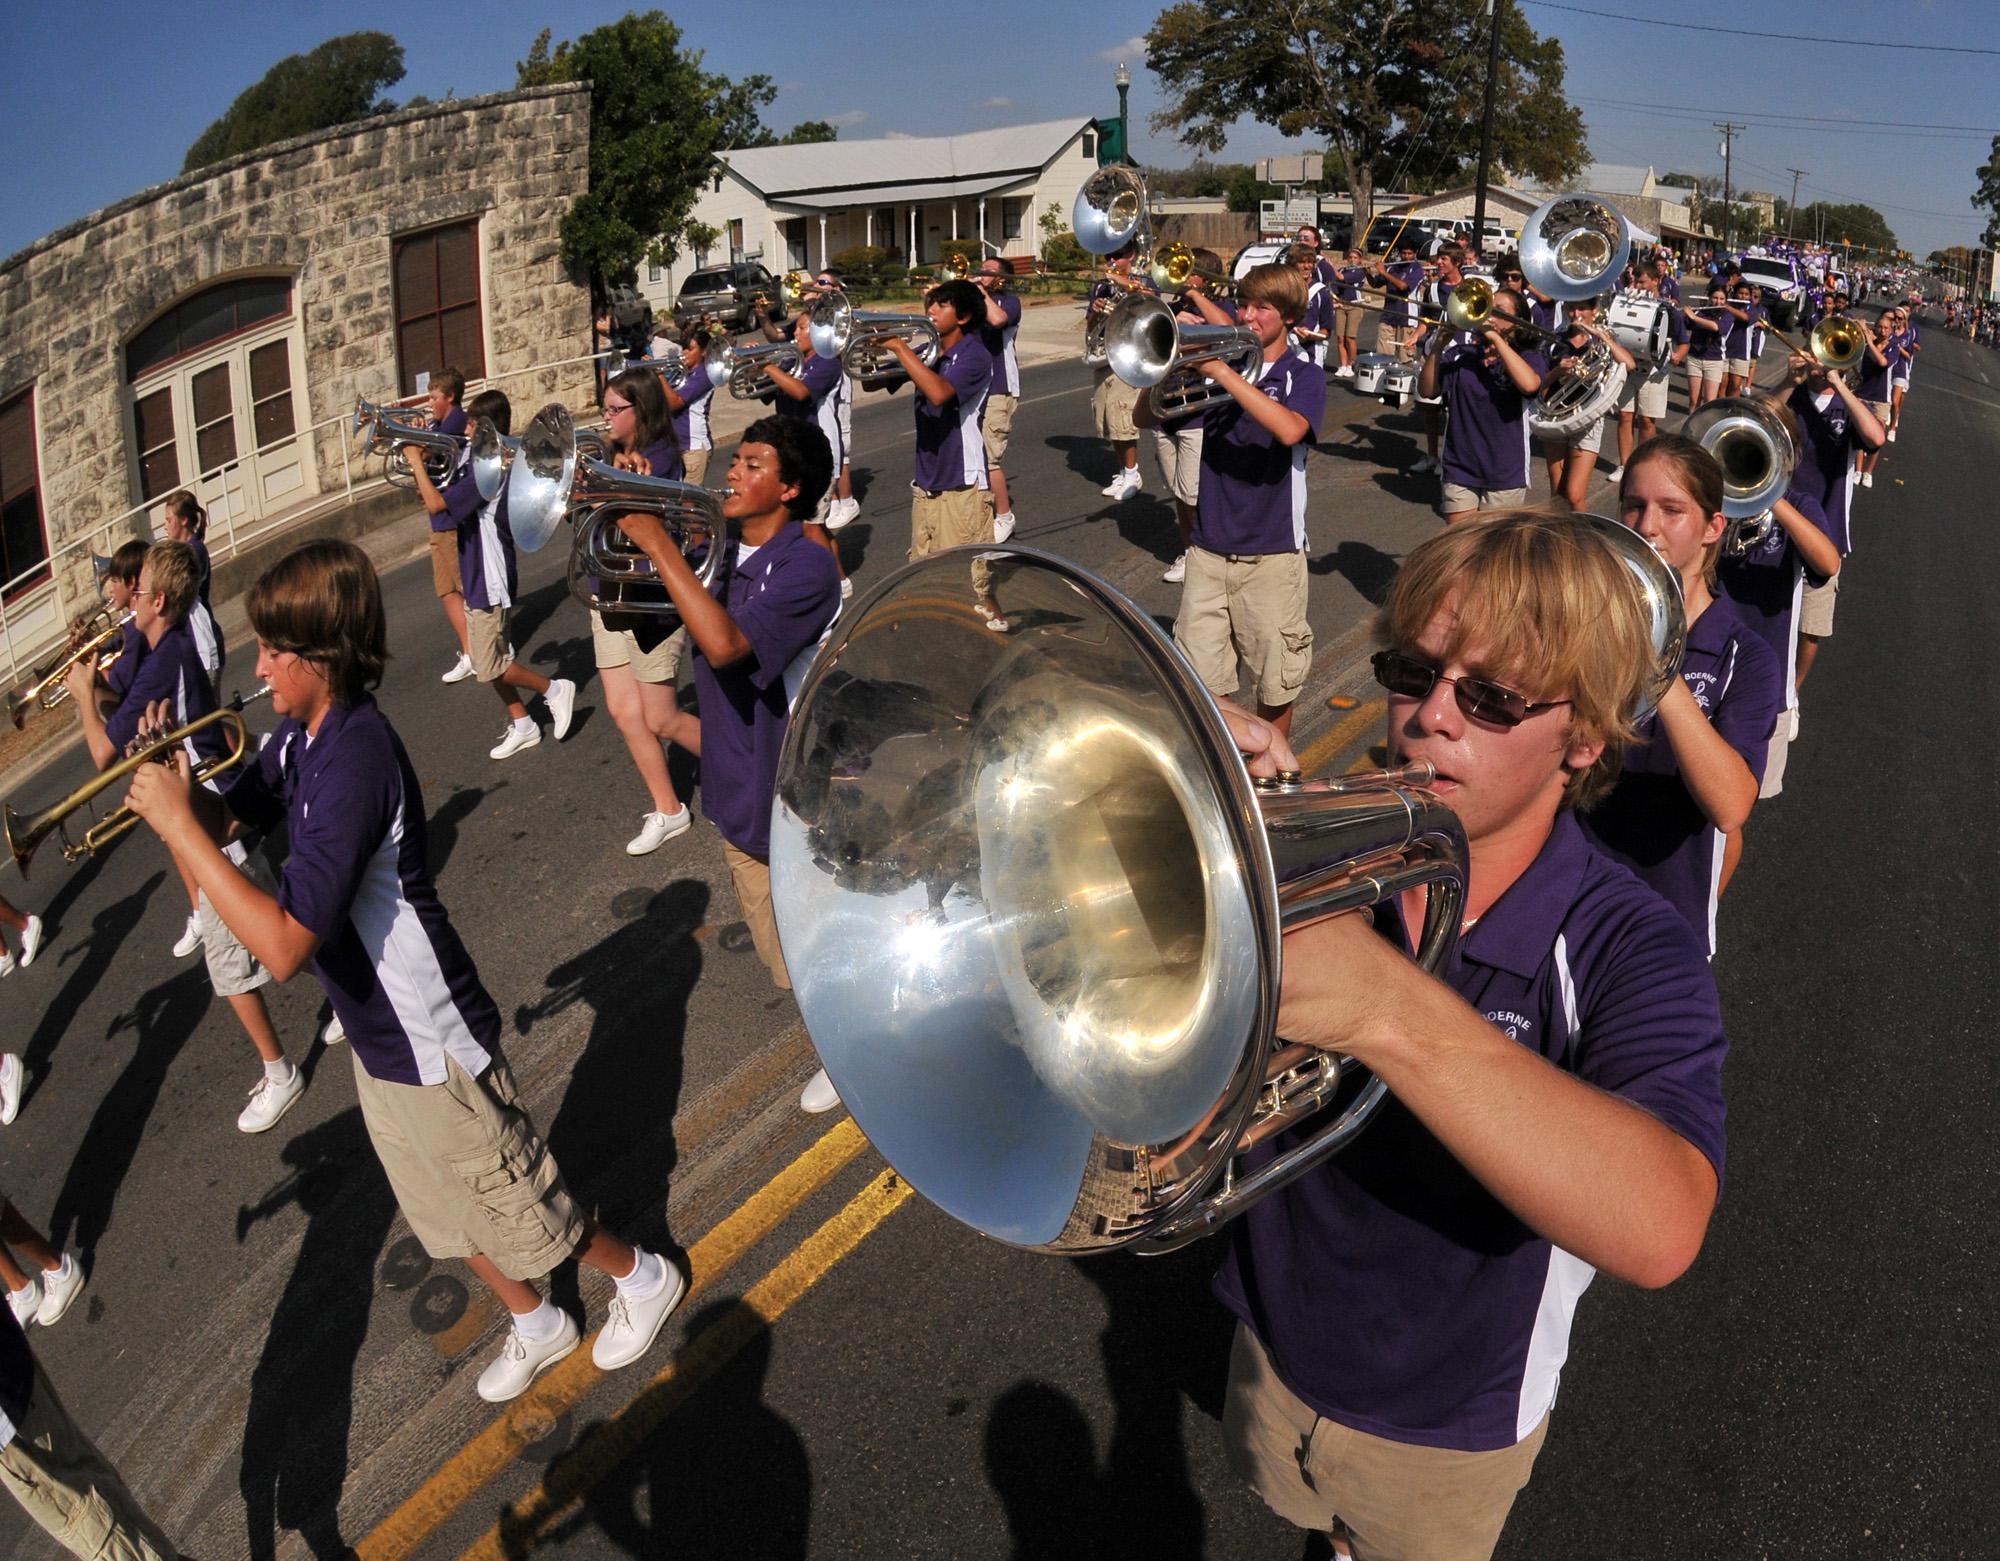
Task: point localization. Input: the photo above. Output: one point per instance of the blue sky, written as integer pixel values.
(139, 81)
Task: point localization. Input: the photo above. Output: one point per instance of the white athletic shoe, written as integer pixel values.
(520, 1361)
(841, 513)
(1421, 466)
(1867, 479)
(514, 739)
(1345, 371)
(846, 588)
(269, 1101)
(12, 1077)
(461, 669)
(7, 962)
(58, 1290)
(1003, 526)
(26, 1301)
(190, 938)
(819, 1094)
(1176, 572)
(1614, 474)
(31, 941)
(1892, 436)
(334, 1033)
(657, 830)
(632, 1326)
(561, 700)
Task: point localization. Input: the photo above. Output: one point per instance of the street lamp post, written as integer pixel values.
(1124, 79)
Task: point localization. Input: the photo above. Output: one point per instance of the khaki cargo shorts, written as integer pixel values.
(232, 968)
(1248, 608)
(444, 564)
(1179, 451)
(996, 422)
(620, 648)
(486, 642)
(1112, 407)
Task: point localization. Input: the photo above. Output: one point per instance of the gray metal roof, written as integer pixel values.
(898, 194)
(871, 169)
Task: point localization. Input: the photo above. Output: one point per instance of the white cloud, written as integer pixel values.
(998, 103)
(848, 120)
(1132, 50)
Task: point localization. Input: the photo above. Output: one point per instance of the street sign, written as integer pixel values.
(1298, 168)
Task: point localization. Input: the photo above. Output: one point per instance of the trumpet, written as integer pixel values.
(383, 429)
(86, 638)
(860, 338)
(24, 835)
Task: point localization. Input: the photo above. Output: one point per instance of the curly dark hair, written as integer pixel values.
(804, 459)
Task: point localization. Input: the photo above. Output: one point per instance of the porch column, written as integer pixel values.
(913, 257)
(982, 225)
(822, 241)
(954, 216)
(870, 228)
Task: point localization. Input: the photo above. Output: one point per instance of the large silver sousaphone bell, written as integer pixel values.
(1032, 906)
(1574, 246)
(1755, 450)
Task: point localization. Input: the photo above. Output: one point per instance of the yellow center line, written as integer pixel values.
(526, 1419)
(606, 1446)
(1329, 743)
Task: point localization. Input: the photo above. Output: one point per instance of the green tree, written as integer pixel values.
(1388, 85)
(649, 156)
(1987, 198)
(337, 83)
(808, 131)
(1863, 227)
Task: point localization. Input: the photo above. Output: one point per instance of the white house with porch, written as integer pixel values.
(799, 206)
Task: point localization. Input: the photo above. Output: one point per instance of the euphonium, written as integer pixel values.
(88, 635)
(383, 430)
(742, 368)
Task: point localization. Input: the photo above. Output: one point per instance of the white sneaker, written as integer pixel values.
(1892, 436)
(841, 513)
(1003, 526)
(1134, 481)
(26, 1301)
(334, 1033)
(1614, 474)
(190, 938)
(561, 700)
(514, 739)
(1422, 466)
(846, 588)
(1345, 371)
(819, 1094)
(657, 830)
(6, 961)
(1122, 484)
(12, 1077)
(461, 669)
(58, 1290)
(270, 1101)
(632, 1326)
(520, 1361)
(1867, 479)
(31, 941)
(1176, 572)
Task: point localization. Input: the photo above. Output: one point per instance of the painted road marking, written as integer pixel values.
(494, 1449)
(1343, 732)
(556, 1498)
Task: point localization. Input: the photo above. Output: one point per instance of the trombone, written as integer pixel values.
(86, 638)
(23, 835)
(1837, 344)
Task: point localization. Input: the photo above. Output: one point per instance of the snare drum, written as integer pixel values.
(1639, 322)
(1399, 385)
(1369, 367)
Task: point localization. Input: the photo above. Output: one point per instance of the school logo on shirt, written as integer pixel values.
(1516, 1025)
(1702, 685)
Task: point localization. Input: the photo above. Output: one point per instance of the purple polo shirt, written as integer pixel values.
(486, 562)
(1764, 585)
(392, 965)
(1753, 333)
(1319, 315)
(1393, 1292)
(1872, 384)
(1253, 489)
(691, 421)
(1670, 289)
(1486, 438)
(1708, 346)
(1547, 313)
(1827, 442)
(131, 654)
(822, 378)
(951, 451)
(1651, 822)
(201, 617)
(1347, 283)
(172, 671)
(1399, 304)
(782, 596)
(998, 340)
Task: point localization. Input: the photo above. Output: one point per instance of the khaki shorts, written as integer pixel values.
(1704, 371)
(486, 642)
(752, 877)
(1112, 406)
(955, 517)
(1881, 409)
(996, 422)
(1251, 608)
(469, 1171)
(1397, 1501)
(1180, 461)
(1645, 393)
(1456, 500)
(695, 465)
(1395, 341)
(1347, 321)
(1740, 367)
(232, 969)
(1774, 756)
(620, 648)
(68, 1487)
(1816, 604)
(444, 564)
(1585, 441)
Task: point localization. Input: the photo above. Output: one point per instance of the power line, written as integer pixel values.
(1815, 119)
(1744, 32)
(1771, 122)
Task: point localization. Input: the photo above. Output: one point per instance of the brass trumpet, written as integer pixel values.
(24, 835)
(47, 687)
(1173, 265)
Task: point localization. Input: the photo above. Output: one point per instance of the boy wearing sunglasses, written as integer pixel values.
(1555, 1100)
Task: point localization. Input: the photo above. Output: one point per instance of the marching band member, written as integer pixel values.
(172, 679)
(1746, 338)
(1555, 1104)
(1348, 281)
(845, 507)
(638, 661)
(1908, 346)
(1487, 385)
(1177, 440)
(1244, 599)
(1316, 324)
(358, 905)
(1112, 401)
(691, 405)
(187, 521)
(446, 390)
(813, 396)
(1397, 332)
(997, 330)
(486, 568)
(1643, 401)
(1877, 369)
(1692, 773)
(121, 584)
(1708, 335)
(752, 645)
(1434, 294)
(1573, 459)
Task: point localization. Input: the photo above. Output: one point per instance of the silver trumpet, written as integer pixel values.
(860, 338)
(1150, 350)
(1757, 456)
(381, 429)
(742, 368)
(564, 473)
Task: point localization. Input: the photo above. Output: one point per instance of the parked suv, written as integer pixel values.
(1776, 277)
(726, 292)
(631, 317)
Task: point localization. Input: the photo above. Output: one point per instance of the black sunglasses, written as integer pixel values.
(1479, 699)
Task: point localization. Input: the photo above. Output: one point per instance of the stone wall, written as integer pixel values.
(322, 209)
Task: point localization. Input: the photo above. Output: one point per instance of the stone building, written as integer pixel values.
(214, 332)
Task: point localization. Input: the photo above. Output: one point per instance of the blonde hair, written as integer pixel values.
(1280, 286)
(172, 575)
(1555, 609)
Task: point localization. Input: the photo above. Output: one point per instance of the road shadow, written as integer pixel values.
(1368, 569)
(1090, 458)
(89, 959)
(719, 1472)
(441, 827)
(163, 1018)
(1165, 1343)
(853, 540)
(295, 1433)
(613, 1135)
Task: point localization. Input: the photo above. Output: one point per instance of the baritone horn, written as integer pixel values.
(88, 635)
(1757, 456)
(860, 338)
(382, 429)
(24, 835)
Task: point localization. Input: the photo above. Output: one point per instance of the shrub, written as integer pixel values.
(1061, 252)
(860, 260)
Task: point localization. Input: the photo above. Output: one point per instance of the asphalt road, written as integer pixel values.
(279, 1373)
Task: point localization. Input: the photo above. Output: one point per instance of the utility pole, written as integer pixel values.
(1792, 211)
(1494, 8)
(1728, 149)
